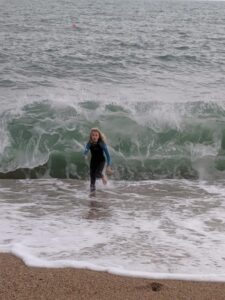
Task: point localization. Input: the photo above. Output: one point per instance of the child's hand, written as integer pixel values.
(109, 171)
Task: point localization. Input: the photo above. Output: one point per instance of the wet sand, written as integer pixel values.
(17, 281)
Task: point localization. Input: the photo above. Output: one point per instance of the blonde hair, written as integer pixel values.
(102, 137)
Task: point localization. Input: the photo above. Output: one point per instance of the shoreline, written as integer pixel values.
(18, 281)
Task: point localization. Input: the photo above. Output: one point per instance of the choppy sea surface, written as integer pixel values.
(151, 75)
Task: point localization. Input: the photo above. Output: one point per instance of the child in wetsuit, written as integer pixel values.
(99, 153)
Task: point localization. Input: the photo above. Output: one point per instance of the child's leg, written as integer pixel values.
(92, 178)
(104, 179)
(99, 173)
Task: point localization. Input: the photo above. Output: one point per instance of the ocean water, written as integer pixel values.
(151, 75)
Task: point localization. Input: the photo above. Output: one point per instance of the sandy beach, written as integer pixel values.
(17, 281)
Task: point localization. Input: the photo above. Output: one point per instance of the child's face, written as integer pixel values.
(94, 136)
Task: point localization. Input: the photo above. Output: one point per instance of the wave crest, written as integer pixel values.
(146, 140)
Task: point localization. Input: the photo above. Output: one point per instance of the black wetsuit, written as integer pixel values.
(98, 152)
(97, 163)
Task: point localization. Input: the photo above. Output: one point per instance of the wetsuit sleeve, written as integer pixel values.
(86, 149)
(108, 158)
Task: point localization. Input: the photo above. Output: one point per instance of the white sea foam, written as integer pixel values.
(154, 229)
(33, 261)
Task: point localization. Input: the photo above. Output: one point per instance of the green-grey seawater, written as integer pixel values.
(150, 74)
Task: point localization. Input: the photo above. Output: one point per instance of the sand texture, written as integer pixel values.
(17, 281)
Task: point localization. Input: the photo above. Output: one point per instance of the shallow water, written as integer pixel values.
(161, 228)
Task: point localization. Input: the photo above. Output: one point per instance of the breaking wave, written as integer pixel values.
(146, 140)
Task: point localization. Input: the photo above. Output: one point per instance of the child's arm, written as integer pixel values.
(109, 171)
(108, 158)
(86, 149)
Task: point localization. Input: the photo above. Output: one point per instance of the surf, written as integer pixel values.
(147, 140)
